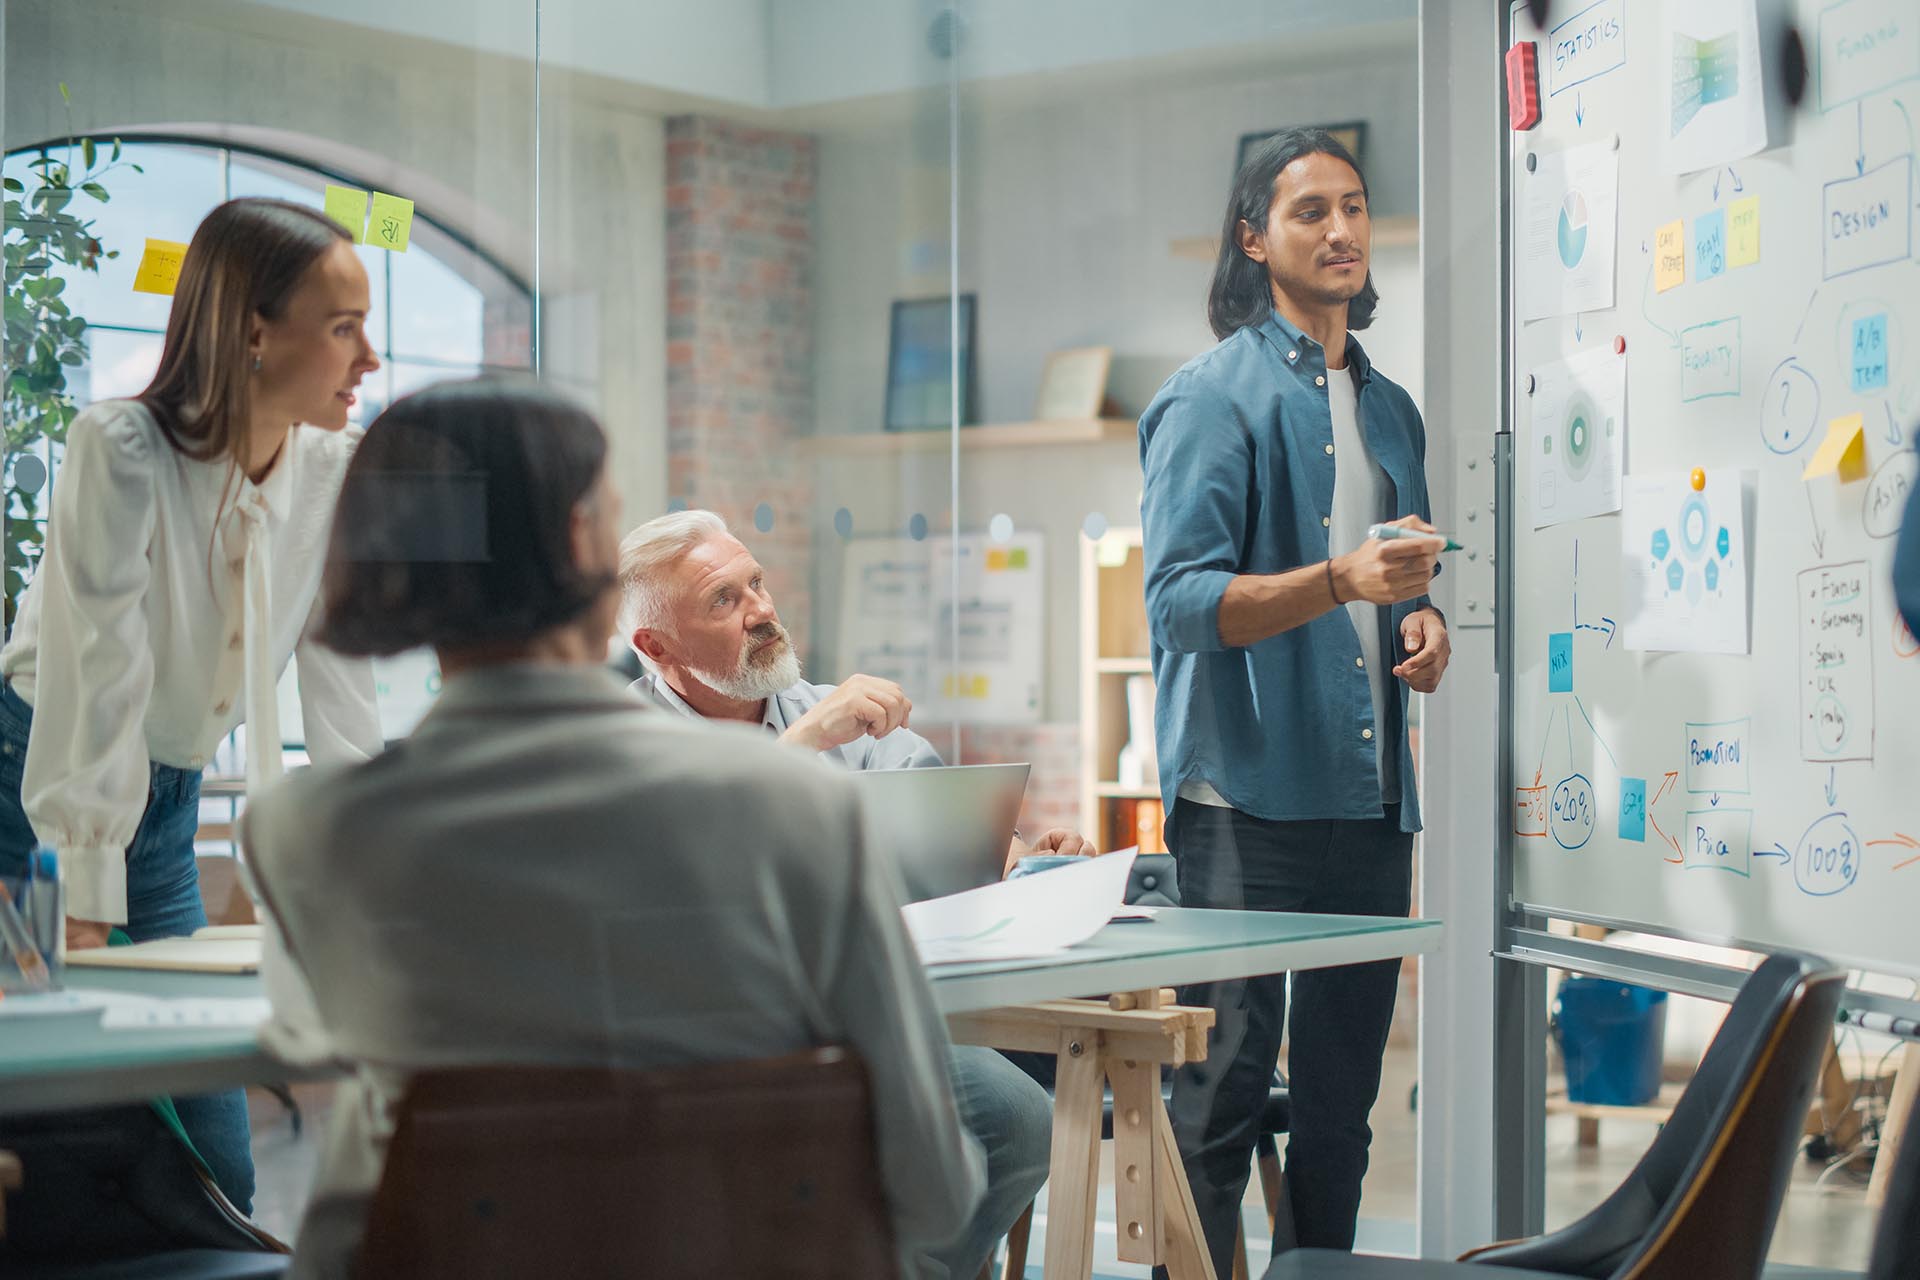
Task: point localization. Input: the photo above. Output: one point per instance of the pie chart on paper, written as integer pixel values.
(1573, 229)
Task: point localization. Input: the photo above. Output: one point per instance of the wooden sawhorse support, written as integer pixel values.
(1119, 1042)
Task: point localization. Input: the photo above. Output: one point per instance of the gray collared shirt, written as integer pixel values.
(901, 749)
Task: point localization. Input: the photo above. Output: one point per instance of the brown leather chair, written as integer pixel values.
(1702, 1202)
(762, 1168)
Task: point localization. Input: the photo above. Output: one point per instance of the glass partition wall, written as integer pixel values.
(885, 284)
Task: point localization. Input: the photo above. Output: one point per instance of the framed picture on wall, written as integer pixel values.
(920, 364)
(1352, 135)
(1074, 384)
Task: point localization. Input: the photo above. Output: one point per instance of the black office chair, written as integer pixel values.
(1702, 1201)
(1154, 882)
(1896, 1241)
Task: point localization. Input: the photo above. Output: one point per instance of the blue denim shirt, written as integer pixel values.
(1237, 456)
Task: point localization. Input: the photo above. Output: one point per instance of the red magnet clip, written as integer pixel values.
(1523, 85)
(1619, 344)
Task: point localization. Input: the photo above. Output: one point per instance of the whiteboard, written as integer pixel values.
(897, 622)
(1766, 793)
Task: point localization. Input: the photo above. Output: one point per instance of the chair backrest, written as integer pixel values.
(1896, 1241)
(728, 1169)
(1703, 1199)
(1721, 1175)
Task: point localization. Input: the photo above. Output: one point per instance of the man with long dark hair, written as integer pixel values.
(1285, 642)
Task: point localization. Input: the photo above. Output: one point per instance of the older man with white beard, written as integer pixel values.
(694, 604)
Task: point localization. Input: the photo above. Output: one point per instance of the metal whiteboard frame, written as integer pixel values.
(1523, 949)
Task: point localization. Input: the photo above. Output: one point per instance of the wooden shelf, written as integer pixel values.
(997, 435)
(1124, 666)
(1388, 233)
(1114, 791)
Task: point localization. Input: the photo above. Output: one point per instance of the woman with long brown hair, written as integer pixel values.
(183, 559)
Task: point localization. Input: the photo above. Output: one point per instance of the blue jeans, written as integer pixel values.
(163, 901)
(1012, 1119)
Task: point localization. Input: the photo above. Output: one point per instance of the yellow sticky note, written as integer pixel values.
(1843, 452)
(391, 223)
(978, 688)
(1743, 232)
(348, 207)
(159, 269)
(996, 560)
(1670, 255)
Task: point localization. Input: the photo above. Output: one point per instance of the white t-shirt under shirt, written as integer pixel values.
(1362, 496)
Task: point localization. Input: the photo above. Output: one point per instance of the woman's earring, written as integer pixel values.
(256, 364)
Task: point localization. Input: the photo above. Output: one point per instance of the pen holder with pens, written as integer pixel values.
(32, 920)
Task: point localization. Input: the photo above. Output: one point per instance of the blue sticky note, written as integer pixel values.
(1560, 662)
(1709, 244)
(1870, 353)
(1633, 809)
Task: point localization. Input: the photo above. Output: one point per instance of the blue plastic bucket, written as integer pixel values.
(1610, 1036)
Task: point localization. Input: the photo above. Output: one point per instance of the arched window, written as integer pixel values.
(443, 309)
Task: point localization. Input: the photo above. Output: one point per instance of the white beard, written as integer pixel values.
(750, 681)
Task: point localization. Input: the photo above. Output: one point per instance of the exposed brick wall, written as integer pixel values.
(740, 207)
(1053, 788)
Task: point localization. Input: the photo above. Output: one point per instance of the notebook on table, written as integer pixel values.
(214, 949)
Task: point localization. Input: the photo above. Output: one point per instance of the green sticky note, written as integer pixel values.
(348, 207)
(1743, 232)
(1017, 558)
(392, 222)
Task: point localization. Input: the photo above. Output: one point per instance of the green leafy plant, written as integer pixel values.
(48, 237)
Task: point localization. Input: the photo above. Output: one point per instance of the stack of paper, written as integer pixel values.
(1036, 915)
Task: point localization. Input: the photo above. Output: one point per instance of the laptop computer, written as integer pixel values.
(946, 828)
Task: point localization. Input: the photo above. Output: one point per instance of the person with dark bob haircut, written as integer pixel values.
(548, 870)
(1286, 641)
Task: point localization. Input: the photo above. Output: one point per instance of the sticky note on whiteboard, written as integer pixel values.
(348, 207)
(391, 224)
(159, 270)
(1670, 255)
(1743, 232)
(1843, 453)
(1870, 352)
(1710, 244)
(1560, 662)
(1633, 809)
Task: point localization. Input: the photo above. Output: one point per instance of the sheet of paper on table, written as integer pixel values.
(1036, 915)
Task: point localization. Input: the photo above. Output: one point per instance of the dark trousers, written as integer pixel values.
(1340, 1016)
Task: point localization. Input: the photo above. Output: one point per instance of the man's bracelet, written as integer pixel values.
(1331, 589)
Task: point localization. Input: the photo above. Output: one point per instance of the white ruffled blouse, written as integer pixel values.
(161, 618)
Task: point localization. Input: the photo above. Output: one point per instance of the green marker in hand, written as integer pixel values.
(1388, 532)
